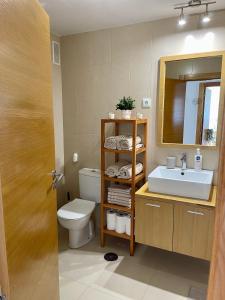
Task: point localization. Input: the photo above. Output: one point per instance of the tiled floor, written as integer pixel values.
(152, 274)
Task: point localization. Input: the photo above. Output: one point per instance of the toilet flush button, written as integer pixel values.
(75, 157)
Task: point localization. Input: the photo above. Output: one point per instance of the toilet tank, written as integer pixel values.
(90, 184)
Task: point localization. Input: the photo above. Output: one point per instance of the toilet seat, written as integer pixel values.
(76, 209)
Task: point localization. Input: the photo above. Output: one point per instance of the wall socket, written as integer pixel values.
(146, 103)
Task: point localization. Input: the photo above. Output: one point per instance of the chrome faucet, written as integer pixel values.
(184, 161)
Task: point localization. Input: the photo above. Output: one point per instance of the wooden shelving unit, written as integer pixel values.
(132, 182)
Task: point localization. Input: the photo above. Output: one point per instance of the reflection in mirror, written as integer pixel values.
(191, 101)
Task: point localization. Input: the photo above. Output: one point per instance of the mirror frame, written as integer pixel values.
(161, 96)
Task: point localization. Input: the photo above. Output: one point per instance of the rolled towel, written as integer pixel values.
(138, 146)
(110, 142)
(126, 142)
(126, 171)
(113, 170)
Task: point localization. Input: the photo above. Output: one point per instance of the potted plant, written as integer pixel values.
(126, 105)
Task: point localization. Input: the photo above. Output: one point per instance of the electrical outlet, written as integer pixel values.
(146, 103)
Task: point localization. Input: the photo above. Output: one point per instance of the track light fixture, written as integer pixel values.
(206, 17)
(182, 20)
(191, 4)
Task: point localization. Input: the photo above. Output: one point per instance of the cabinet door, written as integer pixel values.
(154, 223)
(193, 231)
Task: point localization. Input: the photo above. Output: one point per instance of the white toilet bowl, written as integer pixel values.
(76, 217)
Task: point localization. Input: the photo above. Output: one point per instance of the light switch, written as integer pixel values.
(146, 103)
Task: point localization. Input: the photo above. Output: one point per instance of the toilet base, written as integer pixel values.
(79, 238)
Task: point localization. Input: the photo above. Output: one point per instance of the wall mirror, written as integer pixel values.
(191, 96)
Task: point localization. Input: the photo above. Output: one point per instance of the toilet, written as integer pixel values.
(76, 215)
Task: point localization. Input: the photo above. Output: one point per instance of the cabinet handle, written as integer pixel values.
(153, 205)
(195, 212)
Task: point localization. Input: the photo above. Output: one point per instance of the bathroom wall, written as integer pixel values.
(58, 123)
(100, 67)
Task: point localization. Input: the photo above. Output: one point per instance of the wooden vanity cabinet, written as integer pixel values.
(193, 230)
(154, 223)
(173, 223)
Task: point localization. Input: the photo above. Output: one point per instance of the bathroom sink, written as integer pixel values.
(188, 183)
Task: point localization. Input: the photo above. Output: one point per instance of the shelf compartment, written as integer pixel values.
(114, 233)
(122, 180)
(140, 150)
(117, 207)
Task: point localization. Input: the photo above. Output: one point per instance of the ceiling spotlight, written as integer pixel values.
(206, 17)
(192, 4)
(182, 20)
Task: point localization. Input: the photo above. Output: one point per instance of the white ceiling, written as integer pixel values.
(75, 16)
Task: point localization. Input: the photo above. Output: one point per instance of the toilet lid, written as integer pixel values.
(76, 209)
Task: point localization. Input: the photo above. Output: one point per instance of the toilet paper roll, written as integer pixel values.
(111, 220)
(128, 224)
(120, 223)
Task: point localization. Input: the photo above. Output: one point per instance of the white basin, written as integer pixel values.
(192, 184)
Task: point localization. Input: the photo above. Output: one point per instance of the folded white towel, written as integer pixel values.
(127, 202)
(126, 171)
(119, 196)
(113, 170)
(124, 193)
(118, 202)
(122, 188)
(118, 199)
(126, 142)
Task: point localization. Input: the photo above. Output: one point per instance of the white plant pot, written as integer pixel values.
(126, 114)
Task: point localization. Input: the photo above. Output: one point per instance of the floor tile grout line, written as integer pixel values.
(82, 293)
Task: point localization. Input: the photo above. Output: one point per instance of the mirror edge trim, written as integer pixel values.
(160, 102)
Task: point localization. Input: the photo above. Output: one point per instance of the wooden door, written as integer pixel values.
(193, 231)
(154, 223)
(174, 106)
(216, 288)
(28, 204)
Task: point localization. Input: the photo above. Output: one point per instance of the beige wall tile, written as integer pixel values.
(100, 67)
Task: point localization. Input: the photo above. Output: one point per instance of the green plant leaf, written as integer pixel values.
(126, 103)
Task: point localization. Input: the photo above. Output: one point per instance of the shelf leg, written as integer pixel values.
(103, 193)
(102, 239)
(132, 246)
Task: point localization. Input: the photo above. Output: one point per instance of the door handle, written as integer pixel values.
(195, 213)
(56, 178)
(153, 205)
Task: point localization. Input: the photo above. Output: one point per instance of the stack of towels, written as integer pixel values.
(122, 142)
(120, 195)
(123, 169)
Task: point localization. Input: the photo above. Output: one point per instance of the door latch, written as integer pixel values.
(56, 178)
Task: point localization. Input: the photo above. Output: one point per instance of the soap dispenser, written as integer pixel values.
(198, 160)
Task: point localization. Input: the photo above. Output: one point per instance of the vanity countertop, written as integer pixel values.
(143, 192)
